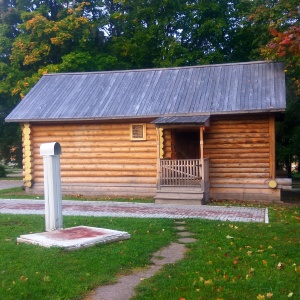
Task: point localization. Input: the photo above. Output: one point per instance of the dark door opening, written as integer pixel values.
(186, 144)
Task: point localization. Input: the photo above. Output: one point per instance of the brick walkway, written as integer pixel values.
(140, 210)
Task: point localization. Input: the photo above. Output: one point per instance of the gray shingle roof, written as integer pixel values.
(211, 89)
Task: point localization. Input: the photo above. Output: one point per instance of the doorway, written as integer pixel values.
(186, 144)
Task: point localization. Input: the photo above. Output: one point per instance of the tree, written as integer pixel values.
(282, 19)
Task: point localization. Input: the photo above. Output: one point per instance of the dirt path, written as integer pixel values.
(124, 288)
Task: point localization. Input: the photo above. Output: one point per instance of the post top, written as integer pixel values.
(50, 149)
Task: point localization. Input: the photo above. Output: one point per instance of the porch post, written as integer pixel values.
(201, 154)
(158, 157)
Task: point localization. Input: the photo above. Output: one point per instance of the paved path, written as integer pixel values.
(140, 210)
(7, 184)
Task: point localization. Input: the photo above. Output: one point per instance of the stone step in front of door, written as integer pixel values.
(179, 195)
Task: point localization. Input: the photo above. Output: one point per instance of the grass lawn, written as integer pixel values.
(228, 261)
(235, 261)
(33, 272)
(19, 193)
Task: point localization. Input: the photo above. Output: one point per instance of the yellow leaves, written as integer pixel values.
(260, 297)
(23, 278)
(46, 278)
(297, 269)
(263, 297)
(233, 226)
(205, 282)
(208, 282)
(56, 41)
(36, 54)
(250, 271)
(229, 237)
(16, 91)
(117, 15)
(264, 262)
(38, 22)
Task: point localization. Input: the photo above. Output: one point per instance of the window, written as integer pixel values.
(138, 132)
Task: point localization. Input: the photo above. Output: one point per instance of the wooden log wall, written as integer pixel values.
(241, 154)
(167, 143)
(98, 154)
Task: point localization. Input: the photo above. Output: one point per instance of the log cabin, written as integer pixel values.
(181, 135)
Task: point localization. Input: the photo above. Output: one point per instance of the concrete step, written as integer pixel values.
(179, 195)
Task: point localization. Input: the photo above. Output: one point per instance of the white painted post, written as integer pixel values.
(52, 185)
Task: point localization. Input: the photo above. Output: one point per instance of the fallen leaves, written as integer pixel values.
(279, 266)
(264, 262)
(46, 278)
(229, 237)
(263, 297)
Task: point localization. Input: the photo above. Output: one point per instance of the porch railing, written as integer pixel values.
(186, 172)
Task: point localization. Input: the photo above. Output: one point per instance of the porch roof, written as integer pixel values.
(182, 120)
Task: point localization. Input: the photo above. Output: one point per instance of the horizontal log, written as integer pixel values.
(240, 140)
(237, 175)
(235, 130)
(101, 173)
(102, 155)
(103, 167)
(103, 180)
(95, 126)
(234, 153)
(251, 155)
(253, 180)
(217, 161)
(249, 169)
(100, 161)
(239, 165)
(134, 149)
(233, 125)
(69, 136)
(96, 165)
(77, 131)
(213, 135)
(79, 138)
(236, 146)
(248, 121)
(102, 144)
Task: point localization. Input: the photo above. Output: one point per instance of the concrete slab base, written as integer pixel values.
(74, 238)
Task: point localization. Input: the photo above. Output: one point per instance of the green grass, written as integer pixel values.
(235, 261)
(228, 261)
(33, 272)
(19, 193)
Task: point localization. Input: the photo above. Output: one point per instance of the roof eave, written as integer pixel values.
(118, 118)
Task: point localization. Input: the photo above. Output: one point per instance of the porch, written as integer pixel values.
(183, 181)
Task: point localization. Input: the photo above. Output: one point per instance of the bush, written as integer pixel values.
(2, 171)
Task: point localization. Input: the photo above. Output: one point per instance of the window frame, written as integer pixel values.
(132, 137)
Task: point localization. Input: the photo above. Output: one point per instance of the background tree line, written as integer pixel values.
(46, 36)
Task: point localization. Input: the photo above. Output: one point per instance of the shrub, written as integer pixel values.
(2, 171)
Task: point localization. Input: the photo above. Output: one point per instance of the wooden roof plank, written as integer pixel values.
(212, 89)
